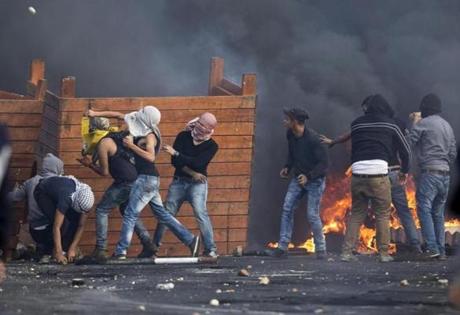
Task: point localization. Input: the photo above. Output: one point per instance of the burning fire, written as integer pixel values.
(337, 203)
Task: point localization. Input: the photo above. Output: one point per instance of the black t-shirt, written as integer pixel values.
(143, 166)
(54, 193)
(196, 157)
(121, 168)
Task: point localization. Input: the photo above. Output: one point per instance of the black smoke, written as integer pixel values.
(323, 55)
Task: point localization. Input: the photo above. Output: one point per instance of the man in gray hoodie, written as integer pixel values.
(51, 166)
(435, 148)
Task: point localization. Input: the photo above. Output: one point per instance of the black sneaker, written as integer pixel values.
(442, 257)
(195, 246)
(430, 254)
(321, 255)
(276, 252)
(99, 255)
(149, 250)
(119, 256)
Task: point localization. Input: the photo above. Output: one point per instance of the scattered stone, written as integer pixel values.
(319, 311)
(180, 279)
(443, 281)
(387, 273)
(165, 286)
(77, 282)
(238, 251)
(218, 291)
(214, 302)
(295, 290)
(141, 308)
(330, 259)
(404, 283)
(243, 273)
(230, 291)
(249, 267)
(264, 280)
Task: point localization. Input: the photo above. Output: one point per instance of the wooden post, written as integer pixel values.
(40, 91)
(68, 87)
(37, 71)
(248, 84)
(216, 73)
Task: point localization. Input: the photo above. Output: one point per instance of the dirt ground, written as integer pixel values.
(298, 284)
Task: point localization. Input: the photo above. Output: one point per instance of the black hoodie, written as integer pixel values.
(375, 135)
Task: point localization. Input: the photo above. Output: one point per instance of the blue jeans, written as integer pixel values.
(183, 189)
(314, 190)
(399, 200)
(117, 195)
(432, 191)
(146, 191)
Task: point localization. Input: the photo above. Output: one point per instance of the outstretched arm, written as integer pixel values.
(107, 114)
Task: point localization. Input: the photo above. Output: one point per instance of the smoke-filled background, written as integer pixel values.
(325, 56)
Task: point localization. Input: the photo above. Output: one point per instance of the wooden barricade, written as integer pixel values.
(50, 123)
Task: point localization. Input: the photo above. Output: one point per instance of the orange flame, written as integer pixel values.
(337, 203)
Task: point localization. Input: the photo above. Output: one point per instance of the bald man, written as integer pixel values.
(191, 154)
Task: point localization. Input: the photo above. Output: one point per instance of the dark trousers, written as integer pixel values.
(44, 238)
(45, 241)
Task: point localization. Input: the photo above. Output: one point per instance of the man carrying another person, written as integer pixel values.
(144, 141)
(191, 153)
(433, 141)
(309, 160)
(115, 160)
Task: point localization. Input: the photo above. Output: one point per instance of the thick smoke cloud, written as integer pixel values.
(323, 55)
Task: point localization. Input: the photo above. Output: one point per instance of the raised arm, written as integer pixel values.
(107, 114)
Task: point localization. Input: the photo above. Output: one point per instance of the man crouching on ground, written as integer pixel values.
(309, 160)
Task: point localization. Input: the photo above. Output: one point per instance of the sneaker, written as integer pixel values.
(276, 252)
(195, 246)
(385, 258)
(348, 257)
(430, 254)
(442, 257)
(99, 254)
(45, 259)
(212, 254)
(321, 255)
(119, 256)
(149, 250)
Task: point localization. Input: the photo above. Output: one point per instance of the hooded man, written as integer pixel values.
(374, 137)
(144, 141)
(51, 166)
(309, 161)
(191, 154)
(433, 141)
(398, 191)
(64, 203)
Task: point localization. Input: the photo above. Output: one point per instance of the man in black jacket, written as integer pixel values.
(374, 137)
(308, 159)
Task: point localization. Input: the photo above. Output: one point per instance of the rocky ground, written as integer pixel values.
(299, 284)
